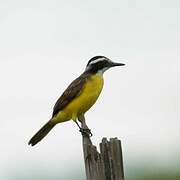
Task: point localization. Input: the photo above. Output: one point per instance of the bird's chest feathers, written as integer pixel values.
(93, 87)
(89, 94)
(87, 97)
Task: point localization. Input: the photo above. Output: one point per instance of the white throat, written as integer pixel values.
(101, 71)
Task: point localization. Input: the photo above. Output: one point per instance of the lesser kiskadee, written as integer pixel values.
(80, 95)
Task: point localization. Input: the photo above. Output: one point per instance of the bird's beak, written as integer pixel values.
(116, 64)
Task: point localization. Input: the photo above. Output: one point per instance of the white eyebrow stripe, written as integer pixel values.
(97, 60)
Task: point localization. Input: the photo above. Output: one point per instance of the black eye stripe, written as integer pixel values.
(101, 64)
(94, 68)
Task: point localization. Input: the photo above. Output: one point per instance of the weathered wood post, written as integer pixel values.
(106, 165)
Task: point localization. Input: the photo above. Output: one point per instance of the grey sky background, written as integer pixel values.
(44, 45)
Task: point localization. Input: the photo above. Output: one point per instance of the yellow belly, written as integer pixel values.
(84, 101)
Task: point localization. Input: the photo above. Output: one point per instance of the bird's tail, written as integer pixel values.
(41, 133)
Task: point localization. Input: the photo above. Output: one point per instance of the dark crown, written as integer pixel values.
(97, 63)
(100, 64)
(95, 58)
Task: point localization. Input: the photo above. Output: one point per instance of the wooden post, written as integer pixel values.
(106, 165)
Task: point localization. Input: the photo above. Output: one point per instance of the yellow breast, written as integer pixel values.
(85, 100)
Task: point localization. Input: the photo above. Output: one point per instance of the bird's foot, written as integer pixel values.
(86, 132)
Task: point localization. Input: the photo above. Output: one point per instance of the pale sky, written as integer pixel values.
(46, 44)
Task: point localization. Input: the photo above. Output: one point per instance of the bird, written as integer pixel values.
(79, 96)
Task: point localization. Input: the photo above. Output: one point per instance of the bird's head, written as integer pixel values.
(99, 64)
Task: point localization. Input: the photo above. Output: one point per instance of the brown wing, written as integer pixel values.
(72, 91)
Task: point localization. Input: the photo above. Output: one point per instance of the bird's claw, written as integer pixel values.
(86, 132)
